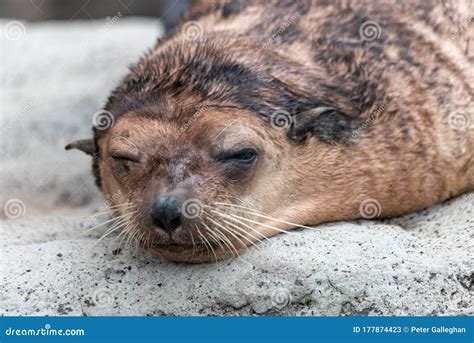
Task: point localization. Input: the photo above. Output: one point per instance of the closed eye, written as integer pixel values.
(244, 156)
(123, 156)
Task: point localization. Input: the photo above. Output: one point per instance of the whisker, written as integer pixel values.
(243, 201)
(214, 237)
(228, 230)
(122, 233)
(118, 226)
(240, 230)
(210, 245)
(110, 209)
(122, 204)
(122, 217)
(114, 227)
(192, 239)
(261, 224)
(244, 235)
(125, 233)
(200, 238)
(252, 212)
(106, 222)
(252, 229)
(135, 234)
(227, 242)
(194, 244)
(139, 240)
(127, 140)
(229, 216)
(132, 236)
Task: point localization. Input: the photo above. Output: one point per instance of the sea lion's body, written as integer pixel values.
(380, 118)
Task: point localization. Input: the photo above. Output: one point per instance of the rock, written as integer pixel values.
(419, 264)
(54, 78)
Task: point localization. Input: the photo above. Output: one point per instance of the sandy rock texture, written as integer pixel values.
(54, 78)
(419, 264)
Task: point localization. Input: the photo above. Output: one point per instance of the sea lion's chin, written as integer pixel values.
(187, 253)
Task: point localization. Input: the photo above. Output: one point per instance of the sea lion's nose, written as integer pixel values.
(166, 212)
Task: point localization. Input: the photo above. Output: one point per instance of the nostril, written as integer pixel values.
(166, 212)
(174, 223)
(159, 223)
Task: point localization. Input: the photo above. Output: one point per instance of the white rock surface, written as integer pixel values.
(53, 80)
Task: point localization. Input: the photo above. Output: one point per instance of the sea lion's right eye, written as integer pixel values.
(244, 156)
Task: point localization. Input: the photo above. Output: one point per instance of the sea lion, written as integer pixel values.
(252, 118)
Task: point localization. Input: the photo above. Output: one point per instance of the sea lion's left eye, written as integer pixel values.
(244, 156)
(125, 157)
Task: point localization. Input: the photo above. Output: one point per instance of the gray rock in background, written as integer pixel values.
(54, 79)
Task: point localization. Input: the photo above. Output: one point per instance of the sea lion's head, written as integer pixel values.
(194, 189)
(207, 147)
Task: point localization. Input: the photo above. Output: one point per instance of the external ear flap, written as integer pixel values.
(326, 123)
(85, 145)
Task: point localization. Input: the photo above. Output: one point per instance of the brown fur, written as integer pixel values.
(370, 120)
